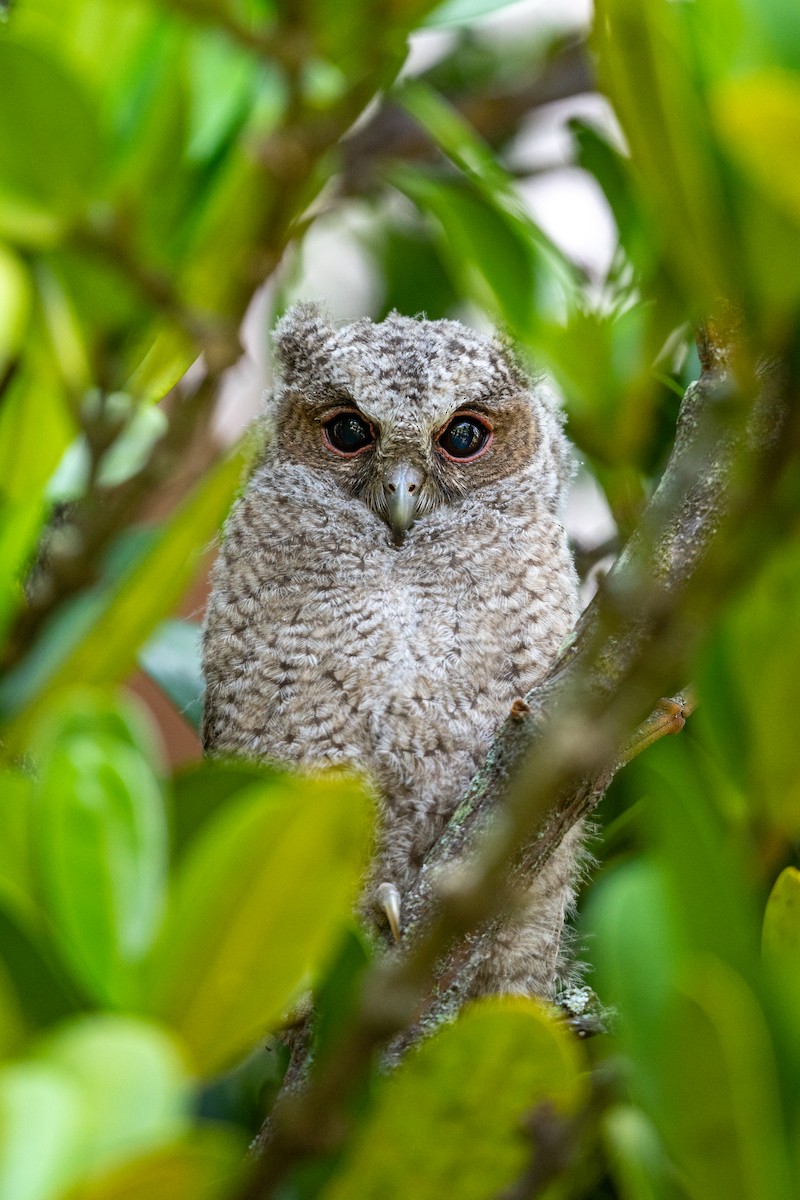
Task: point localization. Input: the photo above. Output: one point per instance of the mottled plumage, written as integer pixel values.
(336, 633)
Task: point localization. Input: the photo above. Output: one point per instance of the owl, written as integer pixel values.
(394, 576)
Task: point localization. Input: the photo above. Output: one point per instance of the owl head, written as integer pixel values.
(409, 415)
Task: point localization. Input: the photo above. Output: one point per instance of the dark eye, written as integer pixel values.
(465, 437)
(348, 433)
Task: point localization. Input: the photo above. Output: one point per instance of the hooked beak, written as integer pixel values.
(401, 487)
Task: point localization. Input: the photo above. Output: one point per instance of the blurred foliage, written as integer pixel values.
(157, 160)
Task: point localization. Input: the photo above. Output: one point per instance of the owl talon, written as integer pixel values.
(389, 900)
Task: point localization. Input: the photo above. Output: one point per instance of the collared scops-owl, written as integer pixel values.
(394, 576)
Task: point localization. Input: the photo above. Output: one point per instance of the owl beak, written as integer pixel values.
(401, 486)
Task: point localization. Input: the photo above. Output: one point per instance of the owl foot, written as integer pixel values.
(389, 901)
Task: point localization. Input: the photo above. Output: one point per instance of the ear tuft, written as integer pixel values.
(300, 336)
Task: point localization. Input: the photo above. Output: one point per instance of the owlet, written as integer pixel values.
(394, 576)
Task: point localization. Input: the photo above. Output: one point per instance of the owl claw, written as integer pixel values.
(389, 900)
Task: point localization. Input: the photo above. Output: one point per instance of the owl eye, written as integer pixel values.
(465, 437)
(348, 432)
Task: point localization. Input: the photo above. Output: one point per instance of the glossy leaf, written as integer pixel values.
(781, 934)
(223, 82)
(100, 843)
(49, 143)
(450, 1120)
(43, 992)
(20, 525)
(724, 1112)
(40, 1118)
(260, 895)
(758, 118)
(487, 253)
(545, 280)
(157, 361)
(15, 304)
(16, 879)
(646, 69)
(132, 1084)
(35, 429)
(639, 1165)
(206, 1166)
(637, 954)
(202, 789)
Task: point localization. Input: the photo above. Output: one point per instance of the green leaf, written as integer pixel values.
(223, 231)
(645, 67)
(100, 842)
(20, 525)
(158, 360)
(724, 1118)
(16, 878)
(486, 223)
(201, 789)
(40, 1114)
(50, 143)
(44, 994)
(13, 1021)
(758, 119)
(636, 952)
(602, 361)
(260, 895)
(638, 1163)
(711, 895)
(750, 683)
(222, 80)
(134, 1087)
(36, 427)
(15, 305)
(486, 252)
(206, 1166)
(127, 608)
(780, 939)
(449, 1121)
(337, 997)
(172, 659)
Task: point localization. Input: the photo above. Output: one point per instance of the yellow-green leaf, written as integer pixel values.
(133, 1086)
(40, 1116)
(450, 1121)
(15, 304)
(758, 119)
(723, 1112)
(100, 841)
(206, 1166)
(258, 902)
(780, 939)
